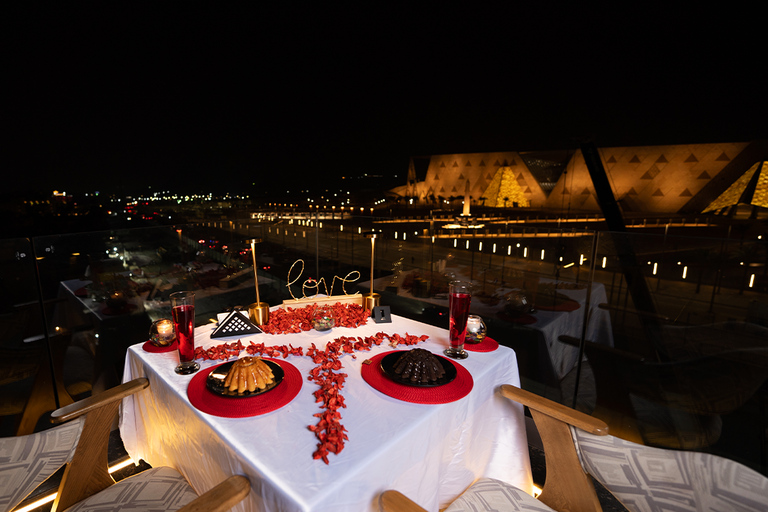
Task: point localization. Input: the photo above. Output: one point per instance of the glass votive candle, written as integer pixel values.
(476, 330)
(161, 333)
(323, 319)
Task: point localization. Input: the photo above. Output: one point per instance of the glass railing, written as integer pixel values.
(664, 337)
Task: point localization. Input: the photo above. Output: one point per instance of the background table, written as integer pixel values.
(429, 452)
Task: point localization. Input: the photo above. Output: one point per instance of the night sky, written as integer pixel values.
(192, 96)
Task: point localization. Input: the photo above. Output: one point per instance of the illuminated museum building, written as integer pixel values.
(725, 178)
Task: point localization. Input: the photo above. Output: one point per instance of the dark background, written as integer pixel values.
(206, 96)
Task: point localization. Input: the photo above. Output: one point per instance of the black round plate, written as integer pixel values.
(215, 380)
(387, 365)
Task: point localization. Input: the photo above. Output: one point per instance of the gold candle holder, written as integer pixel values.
(258, 312)
(371, 300)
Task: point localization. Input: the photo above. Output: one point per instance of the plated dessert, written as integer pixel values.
(418, 367)
(245, 377)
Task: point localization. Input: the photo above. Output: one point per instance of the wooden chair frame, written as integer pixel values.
(567, 486)
(87, 473)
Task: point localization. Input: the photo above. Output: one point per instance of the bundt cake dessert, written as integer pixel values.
(419, 366)
(248, 374)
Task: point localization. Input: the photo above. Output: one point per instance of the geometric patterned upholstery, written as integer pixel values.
(26, 461)
(157, 489)
(645, 478)
(488, 494)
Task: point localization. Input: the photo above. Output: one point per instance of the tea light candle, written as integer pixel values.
(475, 329)
(164, 327)
(161, 333)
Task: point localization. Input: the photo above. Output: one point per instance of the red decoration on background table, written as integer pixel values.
(128, 308)
(149, 347)
(517, 317)
(457, 389)
(228, 407)
(568, 305)
(487, 345)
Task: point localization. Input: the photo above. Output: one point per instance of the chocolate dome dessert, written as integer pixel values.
(419, 366)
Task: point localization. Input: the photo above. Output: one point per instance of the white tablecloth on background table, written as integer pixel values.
(553, 324)
(431, 453)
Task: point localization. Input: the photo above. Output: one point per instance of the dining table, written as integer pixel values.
(430, 442)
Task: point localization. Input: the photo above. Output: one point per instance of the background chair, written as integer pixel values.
(82, 444)
(643, 478)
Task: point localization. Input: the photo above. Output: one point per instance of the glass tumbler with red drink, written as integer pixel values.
(183, 315)
(459, 297)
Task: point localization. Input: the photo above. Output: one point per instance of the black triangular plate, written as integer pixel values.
(236, 324)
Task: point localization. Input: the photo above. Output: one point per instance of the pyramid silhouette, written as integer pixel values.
(504, 184)
(751, 188)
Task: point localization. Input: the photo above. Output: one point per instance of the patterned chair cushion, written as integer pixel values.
(26, 461)
(157, 489)
(644, 478)
(488, 494)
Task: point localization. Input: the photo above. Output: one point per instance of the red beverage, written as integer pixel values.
(458, 306)
(184, 324)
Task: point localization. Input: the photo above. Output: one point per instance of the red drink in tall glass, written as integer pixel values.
(184, 324)
(458, 306)
(183, 315)
(459, 298)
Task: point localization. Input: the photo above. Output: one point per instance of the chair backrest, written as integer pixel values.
(645, 478)
(27, 461)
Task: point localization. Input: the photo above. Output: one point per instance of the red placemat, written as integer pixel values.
(568, 305)
(149, 347)
(230, 407)
(487, 345)
(457, 389)
(516, 317)
(129, 308)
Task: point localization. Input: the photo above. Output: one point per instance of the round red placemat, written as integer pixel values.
(568, 305)
(487, 345)
(516, 317)
(129, 308)
(229, 407)
(457, 389)
(149, 347)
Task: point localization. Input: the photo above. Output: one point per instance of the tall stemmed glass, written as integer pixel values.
(183, 315)
(459, 297)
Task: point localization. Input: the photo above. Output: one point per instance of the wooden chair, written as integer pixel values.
(577, 448)
(486, 494)
(81, 443)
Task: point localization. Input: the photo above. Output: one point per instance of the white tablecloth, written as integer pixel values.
(431, 453)
(553, 324)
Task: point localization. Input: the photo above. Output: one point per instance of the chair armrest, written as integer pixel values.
(87, 473)
(92, 403)
(395, 501)
(555, 410)
(567, 486)
(222, 497)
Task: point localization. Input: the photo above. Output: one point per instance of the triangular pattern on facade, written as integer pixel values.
(684, 173)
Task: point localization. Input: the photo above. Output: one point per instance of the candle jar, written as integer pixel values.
(476, 330)
(323, 319)
(161, 333)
